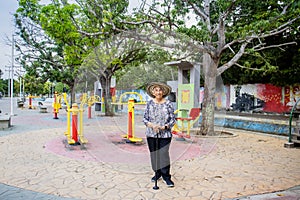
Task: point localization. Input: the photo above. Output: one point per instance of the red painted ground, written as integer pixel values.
(113, 148)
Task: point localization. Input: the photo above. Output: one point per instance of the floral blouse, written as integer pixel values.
(160, 114)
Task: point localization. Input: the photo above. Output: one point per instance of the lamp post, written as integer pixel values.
(12, 78)
(20, 74)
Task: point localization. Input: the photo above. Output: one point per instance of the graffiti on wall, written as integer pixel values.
(291, 95)
(272, 96)
(247, 102)
(264, 97)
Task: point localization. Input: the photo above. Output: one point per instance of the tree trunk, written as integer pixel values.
(73, 92)
(105, 83)
(208, 106)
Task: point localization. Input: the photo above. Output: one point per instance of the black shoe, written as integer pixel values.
(153, 179)
(169, 183)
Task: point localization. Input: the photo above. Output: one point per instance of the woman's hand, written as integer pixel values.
(155, 127)
(163, 127)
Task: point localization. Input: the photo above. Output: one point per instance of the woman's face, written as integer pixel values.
(158, 92)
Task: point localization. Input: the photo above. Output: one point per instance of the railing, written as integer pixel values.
(291, 118)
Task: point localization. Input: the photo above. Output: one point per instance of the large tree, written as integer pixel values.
(238, 26)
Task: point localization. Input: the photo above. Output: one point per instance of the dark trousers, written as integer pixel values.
(159, 154)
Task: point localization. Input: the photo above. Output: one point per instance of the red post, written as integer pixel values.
(55, 115)
(75, 122)
(129, 125)
(130, 118)
(89, 112)
(30, 102)
(55, 109)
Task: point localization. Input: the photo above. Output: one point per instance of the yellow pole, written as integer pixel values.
(56, 105)
(102, 105)
(68, 132)
(81, 137)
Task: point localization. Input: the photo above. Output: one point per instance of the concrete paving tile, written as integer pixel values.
(112, 194)
(195, 191)
(146, 195)
(162, 194)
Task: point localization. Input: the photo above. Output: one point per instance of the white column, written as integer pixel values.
(12, 78)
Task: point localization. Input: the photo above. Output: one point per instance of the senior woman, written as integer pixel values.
(159, 119)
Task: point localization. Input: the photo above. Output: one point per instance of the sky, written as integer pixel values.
(7, 8)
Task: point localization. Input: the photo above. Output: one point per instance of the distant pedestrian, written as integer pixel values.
(159, 119)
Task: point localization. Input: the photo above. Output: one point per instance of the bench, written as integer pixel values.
(43, 109)
(20, 104)
(4, 121)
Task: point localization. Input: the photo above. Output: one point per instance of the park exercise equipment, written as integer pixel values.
(130, 128)
(68, 132)
(130, 134)
(30, 97)
(56, 104)
(130, 137)
(182, 129)
(77, 129)
(91, 101)
(131, 93)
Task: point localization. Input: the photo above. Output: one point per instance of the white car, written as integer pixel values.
(47, 102)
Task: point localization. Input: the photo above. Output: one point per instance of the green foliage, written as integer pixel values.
(59, 87)
(3, 86)
(197, 34)
(34, 85)
(56, 21)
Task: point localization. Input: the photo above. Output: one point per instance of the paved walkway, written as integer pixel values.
(36, 163)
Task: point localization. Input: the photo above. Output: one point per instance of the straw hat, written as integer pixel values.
(165, 88)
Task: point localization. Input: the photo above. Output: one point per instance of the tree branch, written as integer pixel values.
(201, 13)
(243, 67)
(274, 46)
(236, 57)
(273, 32)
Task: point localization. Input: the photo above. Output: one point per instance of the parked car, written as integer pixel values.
(47, 102)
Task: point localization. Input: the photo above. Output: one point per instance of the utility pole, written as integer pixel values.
(20, 73)
(8, 80)
(12, 78)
